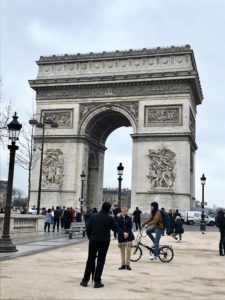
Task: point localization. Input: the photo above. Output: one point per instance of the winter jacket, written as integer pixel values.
(178, 226)
(220, 220)
(48, 217)
(124, 224)
(99, 225)
(156, 220)
(137, 215)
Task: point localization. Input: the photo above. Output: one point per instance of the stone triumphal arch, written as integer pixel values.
(155, 91)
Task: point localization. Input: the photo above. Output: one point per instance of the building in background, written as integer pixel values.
(111, 195)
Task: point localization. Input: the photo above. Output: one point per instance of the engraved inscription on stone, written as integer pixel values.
(162, 115)
(63, 118)
(161, 168)
(53, 167)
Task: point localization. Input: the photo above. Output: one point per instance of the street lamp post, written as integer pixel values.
(202, 224)
(120, 169)
(41, 124)
(82, 176)
(14, 128)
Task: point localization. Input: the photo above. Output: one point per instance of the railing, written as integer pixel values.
(20, 223)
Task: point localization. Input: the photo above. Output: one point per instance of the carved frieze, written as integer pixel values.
(116, 90)
(64, 118)
(163, 115)
(161, 168)
(53, 167)
(130, 106)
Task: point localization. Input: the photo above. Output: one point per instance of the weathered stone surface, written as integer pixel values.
(155, 91)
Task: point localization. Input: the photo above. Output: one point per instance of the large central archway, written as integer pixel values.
(96, 127)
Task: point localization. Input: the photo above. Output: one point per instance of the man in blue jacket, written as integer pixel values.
(98, 230)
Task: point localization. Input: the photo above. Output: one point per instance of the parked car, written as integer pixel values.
(194, 217)
(32, 211)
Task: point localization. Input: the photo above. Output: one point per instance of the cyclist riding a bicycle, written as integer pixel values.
(154, 225)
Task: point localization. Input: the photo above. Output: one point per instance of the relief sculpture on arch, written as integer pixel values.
(161, 168)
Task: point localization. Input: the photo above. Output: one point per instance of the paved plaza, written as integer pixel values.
(196, 272)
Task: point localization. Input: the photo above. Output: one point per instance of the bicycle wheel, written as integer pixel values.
(166, 254)
(136, 253)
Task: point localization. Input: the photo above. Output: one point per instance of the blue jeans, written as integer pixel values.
(158, 233)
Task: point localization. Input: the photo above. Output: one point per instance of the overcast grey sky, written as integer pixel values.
(30, 29)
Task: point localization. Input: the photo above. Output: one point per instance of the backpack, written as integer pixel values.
(165, 219)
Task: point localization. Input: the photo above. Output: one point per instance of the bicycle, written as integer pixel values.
(166, 253)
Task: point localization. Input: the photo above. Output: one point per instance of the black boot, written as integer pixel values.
(98, 285)
(83, 283)
(123, 267)
(221, 254)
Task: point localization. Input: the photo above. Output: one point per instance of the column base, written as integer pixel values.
(6, 245)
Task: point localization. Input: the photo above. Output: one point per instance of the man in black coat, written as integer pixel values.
(220, 223)
(137, 218)
(98, 230)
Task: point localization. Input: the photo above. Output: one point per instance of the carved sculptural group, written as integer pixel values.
(161, 169)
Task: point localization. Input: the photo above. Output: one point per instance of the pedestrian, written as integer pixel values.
(220, 223)
(177, 229)
(155, 225)
(125, 238)
(87, 215)
(170, 213)
(116, 211)
(43, 211)
(48, 218)
(78, 216)
(137, 218)
(56, 219)
(62, 216)
(67, 218)
(52, 215)
(175, 214)
(98, 232)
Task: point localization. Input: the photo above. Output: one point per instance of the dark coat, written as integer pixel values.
(67, 219)
(124, 224)
(137, 215)
(220, 220)
(99, 225)
(178, 226)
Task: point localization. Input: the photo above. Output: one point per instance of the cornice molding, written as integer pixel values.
(114, 54)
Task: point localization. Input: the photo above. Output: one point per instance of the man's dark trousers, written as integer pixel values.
(96, 249)
(222, 241)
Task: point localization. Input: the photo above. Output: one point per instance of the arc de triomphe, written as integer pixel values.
(155, 91)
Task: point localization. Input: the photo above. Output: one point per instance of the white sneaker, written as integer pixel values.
(153, 258)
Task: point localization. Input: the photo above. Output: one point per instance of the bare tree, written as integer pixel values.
(25, 154)
(5, 115)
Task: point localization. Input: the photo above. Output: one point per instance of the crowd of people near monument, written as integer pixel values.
(60, 217)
